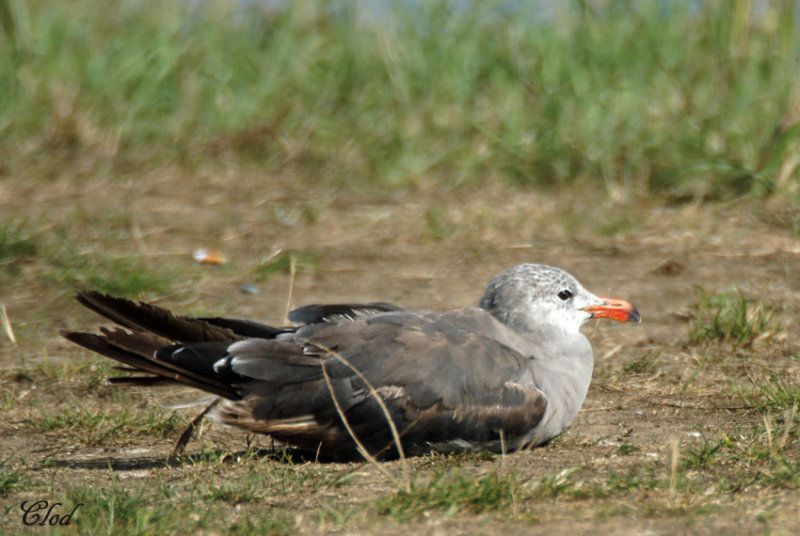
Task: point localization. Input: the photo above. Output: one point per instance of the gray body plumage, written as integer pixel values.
(512, 372)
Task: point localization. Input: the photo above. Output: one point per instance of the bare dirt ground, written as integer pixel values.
(656, 398)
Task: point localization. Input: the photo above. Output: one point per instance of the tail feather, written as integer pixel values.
(138, 342)
(152, 330)
(118, 344)
(146, 317)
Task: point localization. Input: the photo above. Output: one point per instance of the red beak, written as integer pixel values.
(615, 309)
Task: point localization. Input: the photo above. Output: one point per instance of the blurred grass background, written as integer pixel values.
(671, 100)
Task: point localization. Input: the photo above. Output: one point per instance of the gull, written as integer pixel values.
(375, 379)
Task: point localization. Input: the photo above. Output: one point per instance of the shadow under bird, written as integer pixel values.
(510, 373)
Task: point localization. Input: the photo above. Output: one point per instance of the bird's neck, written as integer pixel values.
(564, 378)
(560, 364)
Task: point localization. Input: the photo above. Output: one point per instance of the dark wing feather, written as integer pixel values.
(150, 345)
(247, 328)
(114, 344)
(150, 318)
(141, 381)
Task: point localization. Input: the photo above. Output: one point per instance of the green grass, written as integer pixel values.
(153, 508)
(564, 483)
(66, 258)
(680, 102)
(334, 514)
(729, 316)
(775, 393)
(17, 243)
(451, 491)
(94, 426)
(124, 276)
(268, 478)
(237, 492)
(626, 449)
(117, 509)
(646, 364)
(10, 477)
(760, 455)
(92, 372)
(146, 509)
(637, 105)
(705, 455)
(637, 477)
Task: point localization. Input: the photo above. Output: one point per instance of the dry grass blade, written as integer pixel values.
(292, 275)
(674, 457)
(360, 446)
(384, 409)
(788, 422)
(7, 324)
(768, 429)
(502, 448)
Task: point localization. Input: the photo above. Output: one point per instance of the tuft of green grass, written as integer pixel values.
(730, 317)
(451, 491)
(17, 243)
(775, 393)
(784, 474)
(643, 365)
(10, 477)
(705, 456)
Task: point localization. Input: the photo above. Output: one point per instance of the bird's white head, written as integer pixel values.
(535, 297)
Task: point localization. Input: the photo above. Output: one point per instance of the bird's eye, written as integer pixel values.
(565, 294)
